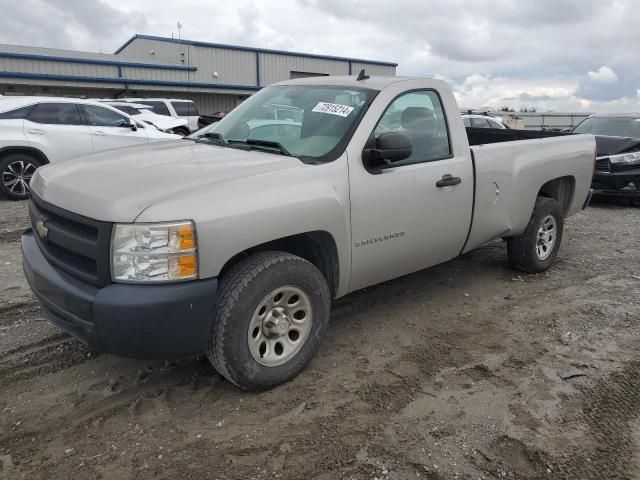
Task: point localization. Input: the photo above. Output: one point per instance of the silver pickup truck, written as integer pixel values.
(232, 243)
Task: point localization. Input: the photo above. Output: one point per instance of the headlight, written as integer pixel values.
(154, 252)
(628, 158)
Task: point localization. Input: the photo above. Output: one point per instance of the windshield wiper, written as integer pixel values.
(212, 137)
(265, 145)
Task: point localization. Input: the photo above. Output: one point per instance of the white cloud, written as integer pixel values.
(603, 75)
(493, 52)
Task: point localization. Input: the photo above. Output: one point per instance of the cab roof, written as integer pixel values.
(373, 82)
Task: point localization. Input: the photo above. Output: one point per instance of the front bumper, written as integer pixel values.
(140, 321)
(616, 183)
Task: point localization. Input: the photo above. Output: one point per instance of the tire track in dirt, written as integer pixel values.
(611, 407)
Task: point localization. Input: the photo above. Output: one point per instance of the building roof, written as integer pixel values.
(250, 49)
(73, 56)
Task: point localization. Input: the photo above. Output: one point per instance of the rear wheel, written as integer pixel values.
(537, 247)
(16, 171)
(271, 313)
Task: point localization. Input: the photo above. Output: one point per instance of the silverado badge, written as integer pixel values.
(42, 230)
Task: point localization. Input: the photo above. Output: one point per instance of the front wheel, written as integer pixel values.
(16, 171)
(535, 249)
(271, 313)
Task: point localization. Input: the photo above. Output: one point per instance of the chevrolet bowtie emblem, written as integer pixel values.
(42, 230)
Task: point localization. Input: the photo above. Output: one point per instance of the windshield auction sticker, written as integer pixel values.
(333, 109)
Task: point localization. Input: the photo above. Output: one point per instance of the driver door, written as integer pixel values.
(109, 129)
(403, 217)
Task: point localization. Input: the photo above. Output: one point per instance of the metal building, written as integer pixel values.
(217, 77)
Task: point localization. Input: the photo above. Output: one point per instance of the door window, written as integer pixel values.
(103, 117)
(17, 114)
(480, 123)
(56, 114)
(185, 109)
(419, 116)
(157, 107)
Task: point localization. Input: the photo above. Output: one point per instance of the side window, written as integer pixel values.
(185, 109)
(17, 114)
(56, 114)
(495, 125)
(157, 107)
(467, 122)
(103, 117)
(480, 123)
(419, 116)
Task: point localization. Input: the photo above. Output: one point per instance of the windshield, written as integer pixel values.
(610, 126)
(126, 109)
(309, 122)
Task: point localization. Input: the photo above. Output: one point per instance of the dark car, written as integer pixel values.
(617, 170)
(204, 120)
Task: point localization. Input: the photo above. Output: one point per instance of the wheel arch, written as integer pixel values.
(560, 189)
(41, 157)
(317, 247)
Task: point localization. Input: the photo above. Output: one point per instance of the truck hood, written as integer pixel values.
(120, 184)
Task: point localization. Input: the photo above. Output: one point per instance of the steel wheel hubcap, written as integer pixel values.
(17, 175)
(546, 237)
(280, 326)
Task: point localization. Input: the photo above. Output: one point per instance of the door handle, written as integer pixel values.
(36, 131)
(99, 133)
(448, 181)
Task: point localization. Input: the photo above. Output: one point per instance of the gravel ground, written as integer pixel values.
(452, 372)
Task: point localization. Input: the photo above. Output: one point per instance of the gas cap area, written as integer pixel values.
(493, 193)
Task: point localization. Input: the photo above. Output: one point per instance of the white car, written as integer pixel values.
(145, 113)
(35, 131)
(171, 107)
(482, 121)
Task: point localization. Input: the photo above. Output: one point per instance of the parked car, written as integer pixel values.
(234, 247)
(145, 114)
(204, 120)
(482, 121)
(171, 107)
(617, 170)
(35, 131)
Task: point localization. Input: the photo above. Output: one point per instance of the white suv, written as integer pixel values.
(35, 131)
(172, 107)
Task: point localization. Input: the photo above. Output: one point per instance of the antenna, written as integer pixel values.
(179, 25)
(362, 75)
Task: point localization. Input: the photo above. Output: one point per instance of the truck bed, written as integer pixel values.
(510, 167)
(484, 136)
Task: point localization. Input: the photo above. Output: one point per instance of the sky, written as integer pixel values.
(560, 55)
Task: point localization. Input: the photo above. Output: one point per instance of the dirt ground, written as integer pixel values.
(453, 372)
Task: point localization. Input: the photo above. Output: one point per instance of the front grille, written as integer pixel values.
(603, 165)
(76, 244)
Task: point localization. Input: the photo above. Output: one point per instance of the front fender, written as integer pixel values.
(234, 216)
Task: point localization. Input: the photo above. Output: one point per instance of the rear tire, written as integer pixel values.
(535, 249)
(16, 170)
(271, 312)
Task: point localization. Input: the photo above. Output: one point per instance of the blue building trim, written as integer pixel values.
(118, 63)
(251, 49)
(125, 81)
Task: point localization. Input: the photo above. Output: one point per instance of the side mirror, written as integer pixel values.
(132, 125)
(389, 147)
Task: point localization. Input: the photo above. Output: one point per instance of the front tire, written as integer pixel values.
(535, 249)
(16, 170)
(271, 313)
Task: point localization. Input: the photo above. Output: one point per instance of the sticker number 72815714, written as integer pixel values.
(333, 109)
